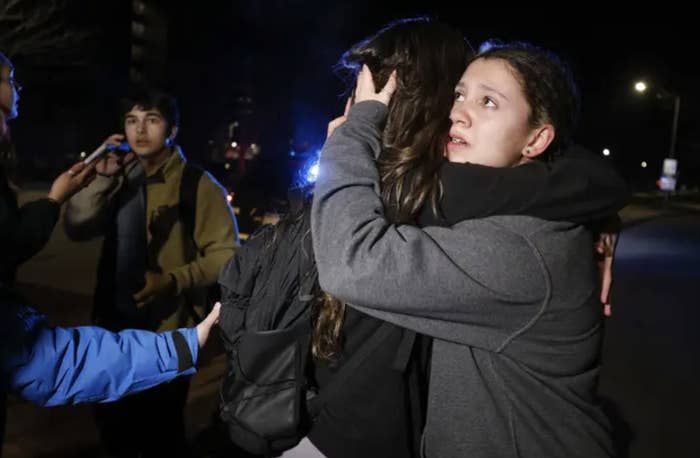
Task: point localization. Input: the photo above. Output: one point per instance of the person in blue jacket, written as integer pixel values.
(52, 365)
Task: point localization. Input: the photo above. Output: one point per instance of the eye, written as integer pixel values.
(488, 102)
(459, 97)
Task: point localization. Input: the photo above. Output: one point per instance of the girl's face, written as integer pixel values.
(489, 116)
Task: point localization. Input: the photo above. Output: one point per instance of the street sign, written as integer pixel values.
(668, 175)
(670, 167)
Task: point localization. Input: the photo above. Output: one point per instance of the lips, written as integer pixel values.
(456, 140)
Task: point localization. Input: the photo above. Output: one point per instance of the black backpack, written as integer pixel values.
(268, 402)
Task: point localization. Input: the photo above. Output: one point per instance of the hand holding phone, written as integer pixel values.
(109, 161)
(111, 144)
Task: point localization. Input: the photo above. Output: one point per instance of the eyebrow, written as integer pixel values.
(484, 87)
(148, 113)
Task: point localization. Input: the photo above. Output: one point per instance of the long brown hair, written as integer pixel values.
(429, 58)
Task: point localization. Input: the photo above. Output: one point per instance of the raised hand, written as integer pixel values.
(365, 89)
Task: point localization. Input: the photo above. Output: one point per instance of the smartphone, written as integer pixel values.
(105, 148)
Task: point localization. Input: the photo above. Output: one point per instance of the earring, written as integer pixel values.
(168, 141)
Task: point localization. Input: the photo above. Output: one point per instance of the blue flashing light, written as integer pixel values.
(312, 173)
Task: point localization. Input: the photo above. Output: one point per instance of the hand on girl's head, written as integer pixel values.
(366, 91)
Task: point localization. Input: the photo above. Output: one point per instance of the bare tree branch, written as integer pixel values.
(33, 29)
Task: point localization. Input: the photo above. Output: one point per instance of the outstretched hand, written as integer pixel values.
(71, 181)
(366, 91)
(204, 328)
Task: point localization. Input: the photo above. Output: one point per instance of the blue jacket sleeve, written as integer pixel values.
(55, 366)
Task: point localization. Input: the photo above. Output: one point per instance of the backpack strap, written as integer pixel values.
(316, 403)
(189, 183)
(187, 207)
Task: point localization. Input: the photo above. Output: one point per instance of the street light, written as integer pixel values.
(641, 87)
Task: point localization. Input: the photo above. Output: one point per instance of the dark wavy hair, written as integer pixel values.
(547, 83)
(429, 58)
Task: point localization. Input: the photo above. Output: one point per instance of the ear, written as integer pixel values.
(539, 141)
(173, 133)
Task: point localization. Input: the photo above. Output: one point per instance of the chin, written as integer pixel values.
(146, 152)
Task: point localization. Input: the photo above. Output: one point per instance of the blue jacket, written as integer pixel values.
(53, 366)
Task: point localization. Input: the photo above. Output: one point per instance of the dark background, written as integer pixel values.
(269, 65)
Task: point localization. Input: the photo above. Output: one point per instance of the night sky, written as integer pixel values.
(281, 55)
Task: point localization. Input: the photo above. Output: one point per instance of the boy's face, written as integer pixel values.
(8, 91)
(146, 131)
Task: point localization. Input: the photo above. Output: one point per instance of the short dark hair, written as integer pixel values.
(547, 83)
(150, 99)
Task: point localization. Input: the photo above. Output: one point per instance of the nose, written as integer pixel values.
(460, 114)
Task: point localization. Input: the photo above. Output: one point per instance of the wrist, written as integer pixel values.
(54, 199)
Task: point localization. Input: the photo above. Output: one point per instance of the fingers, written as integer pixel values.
(76, 168)
(390, 86)
(605, 247)
(204, 328)
(366, 90)
(606, 280)
(365, 85)
(114, 139)
(142, 295)
(348, 105)
(145, 302)
(334, 125)
(85, 176)
(130, 156)
(213, 317)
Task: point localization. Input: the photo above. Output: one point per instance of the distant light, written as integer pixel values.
(292, 153)
(606, 152)
(640, 86)
(229, 197)
(227, 166)
(137, 28)
(138, 7)
(644, 164)
(82, 155)
(312, 173)
(234, 144)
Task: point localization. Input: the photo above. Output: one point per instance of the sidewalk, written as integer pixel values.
(59, 282)
(647, 206)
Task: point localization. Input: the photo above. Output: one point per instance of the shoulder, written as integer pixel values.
(209, 184)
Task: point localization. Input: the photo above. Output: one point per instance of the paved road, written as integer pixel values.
(651, 358)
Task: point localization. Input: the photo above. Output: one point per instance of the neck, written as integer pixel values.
(152, 163)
